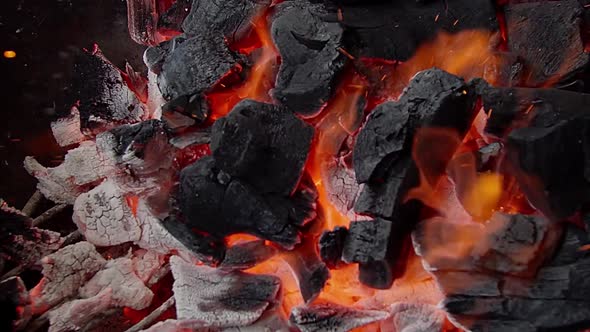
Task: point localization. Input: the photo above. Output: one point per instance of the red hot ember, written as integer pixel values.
(319, 166)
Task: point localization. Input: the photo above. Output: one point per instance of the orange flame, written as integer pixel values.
(261, 77)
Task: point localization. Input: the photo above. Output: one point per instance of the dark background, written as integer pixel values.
(46, 35)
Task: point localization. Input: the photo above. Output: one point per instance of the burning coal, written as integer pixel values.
(320, 166)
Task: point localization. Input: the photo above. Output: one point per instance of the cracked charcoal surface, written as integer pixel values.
(219, 298)
(310, 59)
(65, 271)
(127, 290)
(393, 30)
(332, 318)
(103, 94)
(331, 245)
(193, 65)
(546, 35)
(68, 317)
(262, 144)
(230, 18)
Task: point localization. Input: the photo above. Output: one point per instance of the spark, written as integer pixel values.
(9, 54)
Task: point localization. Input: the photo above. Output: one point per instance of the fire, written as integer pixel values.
(261, 77)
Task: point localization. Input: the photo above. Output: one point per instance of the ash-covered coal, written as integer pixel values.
(311, 57)
(333, 318)
(555, 298)
(546, 36)
(101, 94)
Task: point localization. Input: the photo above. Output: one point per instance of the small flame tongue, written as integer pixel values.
(224, 96)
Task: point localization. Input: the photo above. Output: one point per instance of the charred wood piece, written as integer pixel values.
(142, 21)
(219, 298)
(331, 245)
(311, 56)
(231, 19)
(104, 98)
(330, 317)
(170, 21)
(20, 242)
(546, 35)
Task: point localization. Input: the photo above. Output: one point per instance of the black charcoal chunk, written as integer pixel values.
(330, 317)
(378, 198)
(375, 246)
(101, 94)
(367, 241)
(207, 248)
(200, 196)
(262, 144)
(311, 273)
(382, 153)
(229, 18)
(487, 154)
(193, 65)
(547, 140)
(194, 107)
(310, 56)
(243, 256)
(248, 211)
(554, 151)
(393, 30)
(433, 98)
(546, 35)
(331, 246)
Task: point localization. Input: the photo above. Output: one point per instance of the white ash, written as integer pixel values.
(156, 238)
(64, 272)
(413, 317)
(67, 130)
(149, 266)
(82, 168)
(104, 217)
(218, 298)
(155, 100)
(127, 289)
(76, 314)
(342, 188)
(54, 183)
